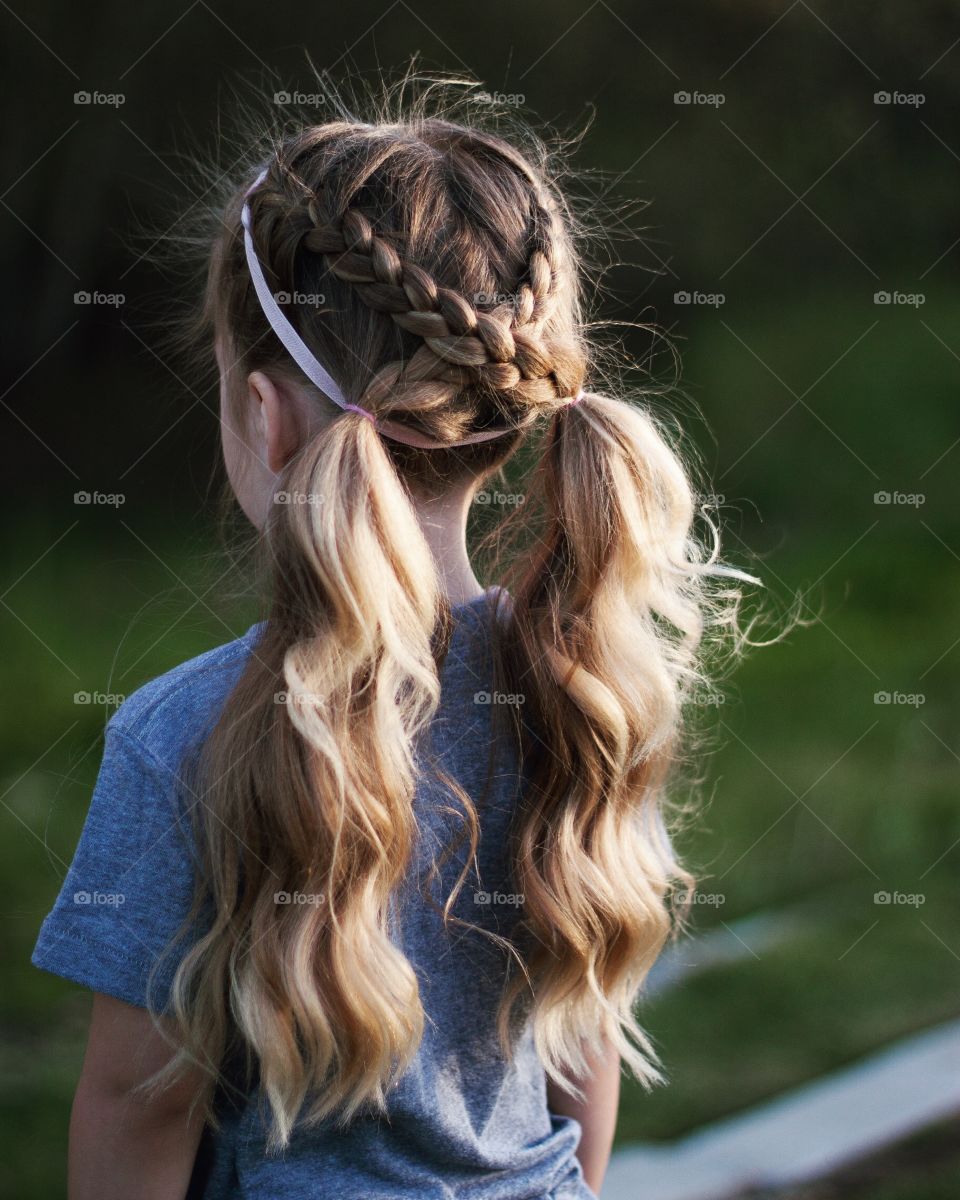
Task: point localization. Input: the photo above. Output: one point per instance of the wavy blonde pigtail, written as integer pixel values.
(312, 770)
(607, 623)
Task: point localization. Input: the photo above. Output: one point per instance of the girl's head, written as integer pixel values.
(429, 268)
(432, 268)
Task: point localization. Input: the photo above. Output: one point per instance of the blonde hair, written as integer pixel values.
(447, 262)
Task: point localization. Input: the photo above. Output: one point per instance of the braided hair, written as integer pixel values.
(481, 348)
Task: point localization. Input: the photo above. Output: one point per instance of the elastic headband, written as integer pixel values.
(298, 350)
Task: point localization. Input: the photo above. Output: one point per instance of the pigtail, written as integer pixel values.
(314, 760)
(607, 625)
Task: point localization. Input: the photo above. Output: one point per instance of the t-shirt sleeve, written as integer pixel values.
(130, 884)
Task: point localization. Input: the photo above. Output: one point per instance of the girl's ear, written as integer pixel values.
(277, 418)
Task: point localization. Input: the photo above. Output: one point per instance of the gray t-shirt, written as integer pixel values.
(462, 1122)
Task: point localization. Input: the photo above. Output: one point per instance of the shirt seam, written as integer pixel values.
(65, 932)
(150, 759)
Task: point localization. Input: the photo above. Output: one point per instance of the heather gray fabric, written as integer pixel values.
(462, 1122)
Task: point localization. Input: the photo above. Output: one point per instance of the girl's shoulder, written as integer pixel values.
(169, 714)
(130, 884)
(165, 714)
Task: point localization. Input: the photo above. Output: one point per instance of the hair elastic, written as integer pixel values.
(298, 350)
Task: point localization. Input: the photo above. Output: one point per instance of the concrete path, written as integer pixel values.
(805, 1134)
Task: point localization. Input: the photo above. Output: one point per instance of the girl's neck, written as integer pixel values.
(444, 524)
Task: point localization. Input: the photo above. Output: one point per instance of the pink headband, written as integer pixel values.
(308, 364)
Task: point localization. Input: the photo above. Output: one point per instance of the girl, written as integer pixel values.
(366, 896)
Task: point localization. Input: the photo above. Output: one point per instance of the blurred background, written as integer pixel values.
(779, 183)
